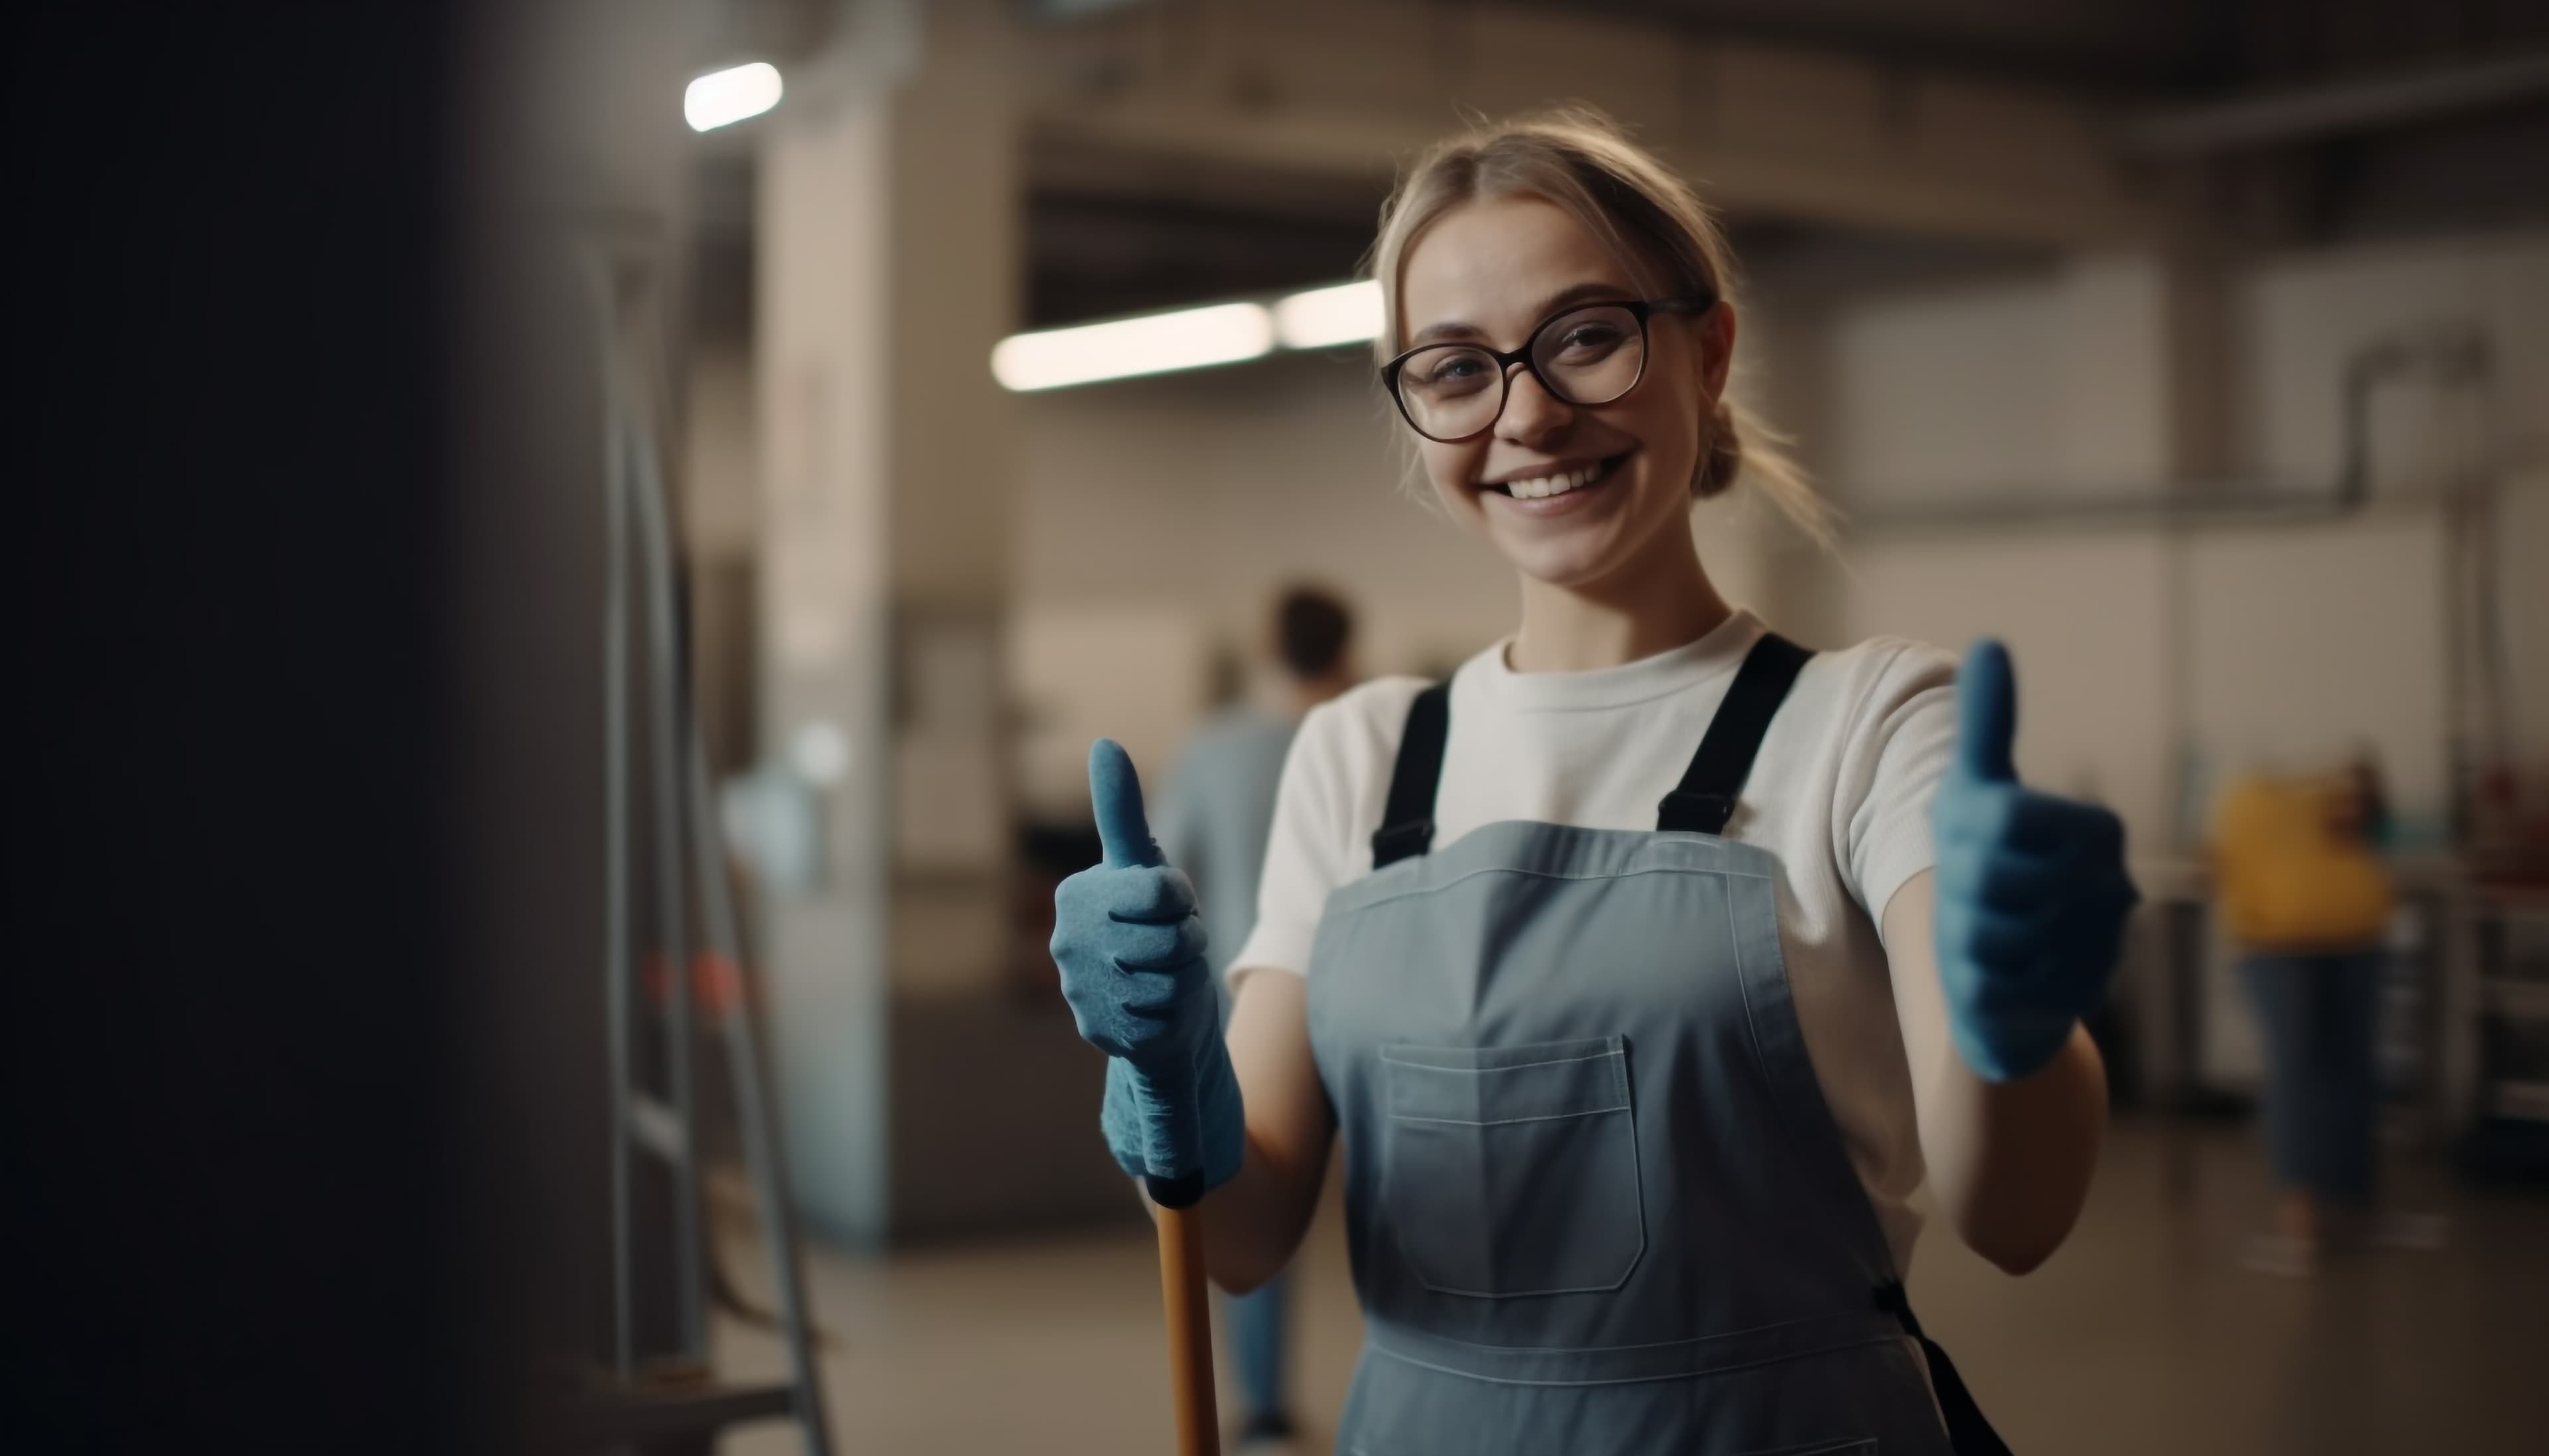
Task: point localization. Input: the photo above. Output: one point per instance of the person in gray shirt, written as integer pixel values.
(1213, 822)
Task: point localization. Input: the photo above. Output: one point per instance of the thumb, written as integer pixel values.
(1115, 793)
(1987, 712)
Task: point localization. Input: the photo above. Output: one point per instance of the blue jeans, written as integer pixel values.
(1257, 1321)
(2320, 1015)
(1257, 1330)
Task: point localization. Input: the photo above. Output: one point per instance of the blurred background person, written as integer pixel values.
(2306, 898)
(1214, 820)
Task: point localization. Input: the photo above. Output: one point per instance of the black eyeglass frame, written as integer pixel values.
(1640, 308)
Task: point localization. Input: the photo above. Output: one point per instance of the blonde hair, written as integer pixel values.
(1578, 161)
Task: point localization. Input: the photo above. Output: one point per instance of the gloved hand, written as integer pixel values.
(1130, 949)
(2032, 893)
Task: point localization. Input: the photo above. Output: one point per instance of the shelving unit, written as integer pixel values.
(2509, 936)
(2203, 1053)
(2465, 1039)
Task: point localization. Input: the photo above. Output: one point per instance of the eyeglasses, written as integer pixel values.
(1590, 354)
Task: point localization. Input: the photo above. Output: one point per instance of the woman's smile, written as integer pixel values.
(1559, 489)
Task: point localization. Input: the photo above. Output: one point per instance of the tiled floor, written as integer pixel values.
(2142, 1336)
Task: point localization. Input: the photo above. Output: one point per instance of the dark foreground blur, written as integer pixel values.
(2195, 350)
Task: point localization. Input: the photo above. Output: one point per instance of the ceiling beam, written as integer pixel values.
(1352, 90)
(2368, 104)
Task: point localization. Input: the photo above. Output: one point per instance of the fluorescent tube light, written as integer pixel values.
(1324, 318)
(1157, 343)
(723, 97)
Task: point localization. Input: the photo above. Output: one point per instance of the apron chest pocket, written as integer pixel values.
(1513, 1170)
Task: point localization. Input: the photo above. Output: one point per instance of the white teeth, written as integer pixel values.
(1553, 485)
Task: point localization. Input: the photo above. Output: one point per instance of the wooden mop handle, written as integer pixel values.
(1190, 1326)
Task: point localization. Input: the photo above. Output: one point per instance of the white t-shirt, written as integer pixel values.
(1841, 792)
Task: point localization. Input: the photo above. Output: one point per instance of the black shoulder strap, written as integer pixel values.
(1702, 803)
(1706, 798)
(1407, 824)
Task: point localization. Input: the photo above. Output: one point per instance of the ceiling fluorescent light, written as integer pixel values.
(1190, 339)
(1324, 318)
(723, 97)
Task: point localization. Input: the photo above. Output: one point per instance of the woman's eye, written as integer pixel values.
(1458, 370)
(1589, 338)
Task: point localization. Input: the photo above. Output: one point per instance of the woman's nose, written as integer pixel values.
(1531, 414)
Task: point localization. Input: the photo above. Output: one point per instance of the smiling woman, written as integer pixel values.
(1647, 967)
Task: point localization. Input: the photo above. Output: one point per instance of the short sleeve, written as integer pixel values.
(1902, 737)
(1310, 850)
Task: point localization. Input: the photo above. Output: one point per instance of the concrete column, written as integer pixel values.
(888, 265)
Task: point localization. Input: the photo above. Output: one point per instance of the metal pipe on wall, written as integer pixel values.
(2309, 114)
(2456, 355)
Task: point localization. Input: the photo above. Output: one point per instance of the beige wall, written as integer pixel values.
(2301, 640)
(2306, 642)
(1157, 517)
(2045, 384)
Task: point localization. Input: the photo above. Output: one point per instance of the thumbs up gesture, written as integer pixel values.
(2031, 888)
(1130, 949)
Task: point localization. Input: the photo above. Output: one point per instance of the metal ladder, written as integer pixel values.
(634, 1412)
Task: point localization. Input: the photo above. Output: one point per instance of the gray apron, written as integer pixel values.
(1594, 1199)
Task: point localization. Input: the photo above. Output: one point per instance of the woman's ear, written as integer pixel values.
(1716, 333)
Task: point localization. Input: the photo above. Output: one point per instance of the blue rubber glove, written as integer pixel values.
(2032, 893)
(1130, 949)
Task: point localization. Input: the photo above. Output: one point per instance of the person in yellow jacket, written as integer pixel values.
(2302, 886)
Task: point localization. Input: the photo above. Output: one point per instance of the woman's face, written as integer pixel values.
(1491, 272)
